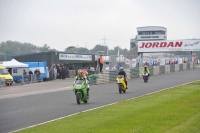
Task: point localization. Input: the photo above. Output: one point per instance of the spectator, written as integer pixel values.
(101, 61)
(55, 72)
(30, 72)
(24, 73)
(63, 72)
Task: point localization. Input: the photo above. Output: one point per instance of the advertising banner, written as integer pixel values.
(167, 60)
(180, 60)
(75, 57)
(164, 46)
(134, 62)
(127, 61)
(151, 61)
(162, 62)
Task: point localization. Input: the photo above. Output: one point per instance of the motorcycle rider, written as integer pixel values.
(122, 72)
(81, 76)
(146, 69)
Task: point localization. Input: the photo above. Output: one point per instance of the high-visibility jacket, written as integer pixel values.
(101, 60)
(147, 70)
(85, 72)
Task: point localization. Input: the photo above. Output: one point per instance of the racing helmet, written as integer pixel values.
(121, 68)
(80, 72)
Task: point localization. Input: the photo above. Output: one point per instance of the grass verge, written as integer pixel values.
(176, 110)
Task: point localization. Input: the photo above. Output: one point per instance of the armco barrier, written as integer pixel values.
(134, 73)
(162, 70)
(172, 68)
(184, 66)
(156, 70)
(151, 69)
(167, 68)
(103, 78)
(191, 65)
(180, 67)
(188, 66)
(176, 67)
(128, 73)
(110, 76)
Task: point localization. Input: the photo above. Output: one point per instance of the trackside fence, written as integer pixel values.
(110, 76)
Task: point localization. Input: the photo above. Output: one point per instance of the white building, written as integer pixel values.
(149, 33)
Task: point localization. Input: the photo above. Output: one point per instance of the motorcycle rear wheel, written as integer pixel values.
(120, 89)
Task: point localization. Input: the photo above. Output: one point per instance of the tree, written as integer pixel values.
(13, 48)
(44, 48)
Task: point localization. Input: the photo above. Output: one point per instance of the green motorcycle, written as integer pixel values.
(80, 90)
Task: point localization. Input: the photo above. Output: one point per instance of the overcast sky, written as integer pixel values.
(62, 23)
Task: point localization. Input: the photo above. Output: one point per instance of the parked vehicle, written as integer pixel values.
(5, 75)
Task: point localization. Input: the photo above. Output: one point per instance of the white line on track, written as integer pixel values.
(104, 106)
(34, 92)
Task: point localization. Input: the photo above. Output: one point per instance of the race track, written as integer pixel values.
(27, 110)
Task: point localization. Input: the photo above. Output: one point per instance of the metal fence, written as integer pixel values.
(26, 79)
(2, 82)
(72, 73)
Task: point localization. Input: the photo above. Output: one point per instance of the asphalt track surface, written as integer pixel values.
(20, 111)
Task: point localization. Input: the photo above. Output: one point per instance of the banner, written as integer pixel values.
(151, 61)
(134, 62)
(127, 61)
(162, 62)
(75, 57)
(180, 60)
(169, 45)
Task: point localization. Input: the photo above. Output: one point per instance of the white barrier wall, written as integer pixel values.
(167, 68)
(191, 65)
(176, 67)
(184, 66)
(103, 78)
(128, 73)
(140, 72)
(156, 70)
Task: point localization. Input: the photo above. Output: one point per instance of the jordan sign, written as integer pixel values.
(166, 46)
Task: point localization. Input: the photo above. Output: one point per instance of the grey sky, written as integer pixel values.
(61, 23)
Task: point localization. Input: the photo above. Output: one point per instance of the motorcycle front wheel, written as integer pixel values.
(78, 98)
(120, 89)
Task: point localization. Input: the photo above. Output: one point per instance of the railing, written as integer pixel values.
(26, 79)
(71, 73)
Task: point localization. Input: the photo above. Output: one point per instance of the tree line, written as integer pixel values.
(9, 49)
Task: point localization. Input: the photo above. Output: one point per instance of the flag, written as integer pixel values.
(118, 52)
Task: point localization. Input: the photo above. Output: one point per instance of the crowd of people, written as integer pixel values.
(60, 72)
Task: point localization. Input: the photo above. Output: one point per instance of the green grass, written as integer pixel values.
(176, 110)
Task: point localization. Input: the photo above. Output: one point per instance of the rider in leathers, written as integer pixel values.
(80, 76)
(146, 69)
(121, 72)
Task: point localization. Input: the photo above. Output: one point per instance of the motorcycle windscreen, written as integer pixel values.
(120, 76)
(79, 82)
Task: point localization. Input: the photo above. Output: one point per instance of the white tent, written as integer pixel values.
(14, 63)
